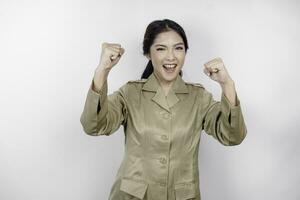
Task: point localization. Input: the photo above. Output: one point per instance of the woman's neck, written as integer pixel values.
(166, 88)
(165, 85)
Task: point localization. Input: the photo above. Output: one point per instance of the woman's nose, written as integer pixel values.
(170, 55)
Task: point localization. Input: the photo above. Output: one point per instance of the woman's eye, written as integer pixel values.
(161, 49)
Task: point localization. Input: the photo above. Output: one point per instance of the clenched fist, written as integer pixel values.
(110, 55)
(216, 70)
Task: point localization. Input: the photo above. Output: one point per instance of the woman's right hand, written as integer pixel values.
(110, 55)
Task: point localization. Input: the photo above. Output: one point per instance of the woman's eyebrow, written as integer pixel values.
(180, 43)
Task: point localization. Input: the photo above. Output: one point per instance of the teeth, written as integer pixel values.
(169, 66)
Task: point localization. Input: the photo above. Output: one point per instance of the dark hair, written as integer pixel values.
(153, 29)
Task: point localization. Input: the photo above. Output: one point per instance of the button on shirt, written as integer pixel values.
(162, 134)
(164, 137)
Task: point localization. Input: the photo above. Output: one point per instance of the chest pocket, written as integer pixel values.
(134, 189)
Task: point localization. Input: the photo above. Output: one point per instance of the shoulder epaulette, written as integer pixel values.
(195, 84)
(138, 81)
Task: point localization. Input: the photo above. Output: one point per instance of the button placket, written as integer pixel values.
(165, 137)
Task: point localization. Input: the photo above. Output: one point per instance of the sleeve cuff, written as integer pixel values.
(227, 107)
(98, 97)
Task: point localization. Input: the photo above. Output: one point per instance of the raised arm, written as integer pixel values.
(223, 120)
(103, 114)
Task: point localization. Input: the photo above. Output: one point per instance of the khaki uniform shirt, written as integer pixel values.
(162, 134)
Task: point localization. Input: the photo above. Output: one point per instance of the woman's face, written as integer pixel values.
(167, 54)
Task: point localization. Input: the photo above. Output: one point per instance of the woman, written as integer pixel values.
(163, 117)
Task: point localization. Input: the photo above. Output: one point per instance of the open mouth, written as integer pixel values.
(169, 67)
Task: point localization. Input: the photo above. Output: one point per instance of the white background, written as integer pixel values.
(50, 49)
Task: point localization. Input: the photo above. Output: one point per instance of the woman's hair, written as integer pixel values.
(154, 28)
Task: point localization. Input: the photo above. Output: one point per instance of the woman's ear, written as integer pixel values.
(148, 56)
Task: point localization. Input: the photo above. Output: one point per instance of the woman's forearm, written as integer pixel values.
(229, 91)
(100, 77)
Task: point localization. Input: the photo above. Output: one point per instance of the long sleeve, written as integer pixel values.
(103, 114)
(223, 121)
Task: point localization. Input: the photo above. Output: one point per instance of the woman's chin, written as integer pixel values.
(167, 76)
(170, 76)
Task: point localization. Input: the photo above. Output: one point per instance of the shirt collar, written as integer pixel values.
(152, 84)
(166, 102)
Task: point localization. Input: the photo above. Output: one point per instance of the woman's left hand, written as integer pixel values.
(215, 69)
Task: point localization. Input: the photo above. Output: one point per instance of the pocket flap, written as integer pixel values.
(185, 191)
(135, 188)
